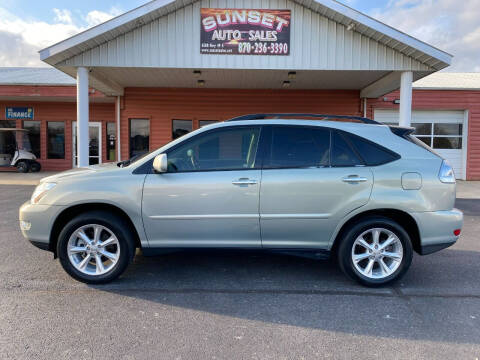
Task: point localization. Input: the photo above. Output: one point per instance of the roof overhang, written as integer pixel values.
(430, 58)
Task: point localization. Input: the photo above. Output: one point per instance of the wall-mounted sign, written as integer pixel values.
(245, 31)
(21, 113)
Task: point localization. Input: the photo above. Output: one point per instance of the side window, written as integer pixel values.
(296, 146)
(372, 154)
(342, 153)
(222, 149)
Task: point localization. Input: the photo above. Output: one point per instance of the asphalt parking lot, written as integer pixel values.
(236, 306)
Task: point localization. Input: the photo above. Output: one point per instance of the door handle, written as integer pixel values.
(244, 181)
(353, 179)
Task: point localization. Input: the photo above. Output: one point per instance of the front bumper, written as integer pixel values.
(436, 229)
(36, 222)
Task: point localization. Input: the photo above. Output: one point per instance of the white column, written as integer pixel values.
(406, 98)
(117, 114)
(82, 117)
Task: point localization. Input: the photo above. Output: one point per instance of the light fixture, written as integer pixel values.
(351, 26)
(286, 84)
(385, 98)
(200, 83)
(292, 75)
(197, 73)
(396, 101)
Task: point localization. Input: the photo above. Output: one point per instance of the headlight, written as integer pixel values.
(446, 174)
(41, 190)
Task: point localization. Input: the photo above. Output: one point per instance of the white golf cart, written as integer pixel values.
(15, 150)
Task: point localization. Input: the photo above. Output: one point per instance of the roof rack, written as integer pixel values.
(321, 116)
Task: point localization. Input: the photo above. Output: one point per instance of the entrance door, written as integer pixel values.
(94, 143)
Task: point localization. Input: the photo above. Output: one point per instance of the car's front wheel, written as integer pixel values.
(95, 247)
(375, 251)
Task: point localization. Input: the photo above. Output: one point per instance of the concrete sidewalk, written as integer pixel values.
(465, 189)
(15, 178)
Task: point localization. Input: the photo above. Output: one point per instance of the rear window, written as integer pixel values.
(372, 153)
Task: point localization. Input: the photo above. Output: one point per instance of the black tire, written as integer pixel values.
(23, 166)
(344, 253)
(35, 166)
(114, 224)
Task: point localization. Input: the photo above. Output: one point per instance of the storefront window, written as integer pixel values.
(203, 123)
(8, 123)
(180, 128)
(33, 128)
(55, 140)
(111, 140)
(139, 136)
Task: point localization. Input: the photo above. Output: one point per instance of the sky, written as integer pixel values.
(27, 26)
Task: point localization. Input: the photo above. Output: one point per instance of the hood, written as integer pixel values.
(83, 171)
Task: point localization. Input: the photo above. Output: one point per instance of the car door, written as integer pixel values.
(311, 179)
(209, 197)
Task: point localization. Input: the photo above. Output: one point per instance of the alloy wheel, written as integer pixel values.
(377, 253)
(93, 249)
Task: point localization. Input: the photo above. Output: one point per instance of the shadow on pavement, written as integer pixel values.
(307, 293)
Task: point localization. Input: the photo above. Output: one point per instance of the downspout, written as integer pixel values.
(364, 107)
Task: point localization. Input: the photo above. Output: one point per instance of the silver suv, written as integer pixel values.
(366, 193)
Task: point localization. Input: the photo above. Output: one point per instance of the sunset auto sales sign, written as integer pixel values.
(245, 32)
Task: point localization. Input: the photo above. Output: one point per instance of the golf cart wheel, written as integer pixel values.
(23, 166)
(35, 166)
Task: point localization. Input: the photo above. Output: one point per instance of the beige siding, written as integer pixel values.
(317, 43)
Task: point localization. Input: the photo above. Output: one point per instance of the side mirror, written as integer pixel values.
(160, 163)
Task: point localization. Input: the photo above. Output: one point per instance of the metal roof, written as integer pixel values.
(34, 76)
(331, 9)
(449, 81)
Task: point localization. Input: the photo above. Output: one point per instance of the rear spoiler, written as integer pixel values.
(402, 131)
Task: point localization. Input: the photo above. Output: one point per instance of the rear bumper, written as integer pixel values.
(436, 229)
(36, 223)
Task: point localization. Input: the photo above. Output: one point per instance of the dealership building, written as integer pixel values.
(166, 68)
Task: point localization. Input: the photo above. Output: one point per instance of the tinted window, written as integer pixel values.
(225, 149)
(33, 128)
(139, 136)
(342, 153)
(56, 140)
(180, 128)
(372, 154)
(295, 146)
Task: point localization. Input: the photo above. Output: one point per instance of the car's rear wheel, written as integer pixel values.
(95, 247)
(375, 251)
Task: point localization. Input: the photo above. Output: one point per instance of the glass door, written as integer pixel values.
(94, 143)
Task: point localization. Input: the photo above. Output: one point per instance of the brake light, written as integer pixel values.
(457, 232)
(446, 174)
